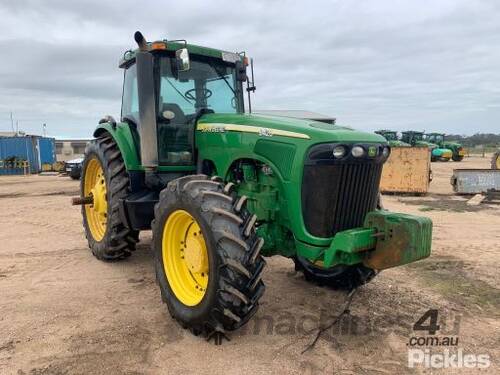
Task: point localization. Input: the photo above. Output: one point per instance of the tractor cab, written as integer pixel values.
(168, 86)
(390, 135)
(392, 138)
(413, 138)
(436, 138)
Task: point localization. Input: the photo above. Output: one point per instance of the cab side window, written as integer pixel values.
(130, 100)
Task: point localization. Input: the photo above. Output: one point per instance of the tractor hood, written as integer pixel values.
(265, 125)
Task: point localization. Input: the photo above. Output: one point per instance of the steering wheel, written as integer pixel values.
(206, 94)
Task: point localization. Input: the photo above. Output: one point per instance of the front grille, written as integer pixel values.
(336, 197)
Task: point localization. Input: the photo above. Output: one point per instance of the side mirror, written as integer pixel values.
(182, 57)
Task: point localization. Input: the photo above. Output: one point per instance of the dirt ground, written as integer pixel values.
(64, 312)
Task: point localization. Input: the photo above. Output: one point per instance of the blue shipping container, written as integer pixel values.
(36, 150)
(46, 150)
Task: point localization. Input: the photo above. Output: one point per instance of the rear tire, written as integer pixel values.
(234, 287)
(118, 241)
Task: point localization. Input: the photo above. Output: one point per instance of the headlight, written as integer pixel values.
(386, 151)
(339, 152)
(357, 151)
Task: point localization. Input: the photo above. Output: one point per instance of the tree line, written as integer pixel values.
(478, 139)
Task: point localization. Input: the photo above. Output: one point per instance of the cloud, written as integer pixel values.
(393, 64)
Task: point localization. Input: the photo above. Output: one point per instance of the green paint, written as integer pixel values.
(126, 141)
(347, 246)
(264, 157)
(284, 155)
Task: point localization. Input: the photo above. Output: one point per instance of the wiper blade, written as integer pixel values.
(223, 77)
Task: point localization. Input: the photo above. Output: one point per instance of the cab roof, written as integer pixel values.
(174, 45)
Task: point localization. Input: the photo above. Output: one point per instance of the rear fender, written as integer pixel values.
(124, 138)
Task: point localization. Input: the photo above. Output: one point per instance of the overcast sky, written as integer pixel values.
(427, 65)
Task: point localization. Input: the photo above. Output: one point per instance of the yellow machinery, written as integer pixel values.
(407, 170)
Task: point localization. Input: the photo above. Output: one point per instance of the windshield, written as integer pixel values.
(209, 83)
(417, 136)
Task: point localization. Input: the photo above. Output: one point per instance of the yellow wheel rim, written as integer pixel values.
(185, 257)
(95, 186)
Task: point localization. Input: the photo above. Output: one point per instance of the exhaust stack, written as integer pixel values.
(147, 107)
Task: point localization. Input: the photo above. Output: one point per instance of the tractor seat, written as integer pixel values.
(174, 135)
(179, 116)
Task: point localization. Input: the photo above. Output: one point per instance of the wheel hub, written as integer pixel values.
(98, 192)
(185, 257)
(194, 252)
(95, 186)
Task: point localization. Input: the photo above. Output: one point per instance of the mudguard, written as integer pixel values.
(124, 138)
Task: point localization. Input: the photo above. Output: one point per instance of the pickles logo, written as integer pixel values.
(372, 151)
(435, 350)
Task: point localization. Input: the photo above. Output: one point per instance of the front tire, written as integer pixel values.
(105, 178)
(340, 277)
(207, 255)
(457, 158)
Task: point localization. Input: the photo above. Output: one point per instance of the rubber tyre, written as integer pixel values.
(75, 173)
(457, 158)
(235, 285)
(494, 164)
(118, 241)
(339, 277)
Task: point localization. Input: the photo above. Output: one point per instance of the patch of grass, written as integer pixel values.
(426, 208)
(450, 278)
(444, 203)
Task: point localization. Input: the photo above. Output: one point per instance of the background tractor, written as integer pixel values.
(392, 138)
(221, 188)
(416, 138)
(440, 140)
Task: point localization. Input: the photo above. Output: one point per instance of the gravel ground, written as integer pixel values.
(64, 312)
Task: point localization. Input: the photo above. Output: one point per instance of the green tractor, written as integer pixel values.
(416, 138)
(221, 188)
(392, 138)
(439, 139)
